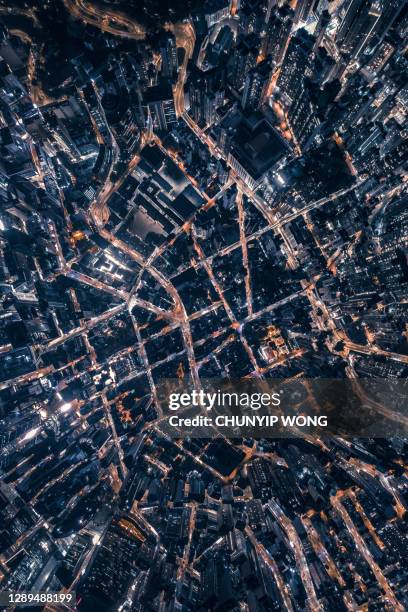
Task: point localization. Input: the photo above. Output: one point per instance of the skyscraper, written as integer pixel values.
(160, 103)
(303, 11)
(243, 59)
(123, 548)
(302, 115)
(390, 11)
(168, 52)
(295, 66)
(358, 27)
(277, 34)
(256, 83)
(205, 97)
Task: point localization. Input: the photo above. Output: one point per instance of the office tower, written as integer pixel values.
(225, 139)
(295, 67)
(269, 8)
(168, 52)
(278, 30)
(320, 30)
(256, 83)
(323, 65)
(390, 13)
(302, 115)
(303, 11)
(196, 95)
(251, 15)
(216, 585)
(358, 27)
(160, 103)
(243, 59)
(205, 97)
(216, 10)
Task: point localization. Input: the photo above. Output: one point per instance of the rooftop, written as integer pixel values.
(256, 144)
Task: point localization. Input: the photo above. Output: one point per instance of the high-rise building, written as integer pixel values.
(277, 34)
(320, 6)
(205, 97)
(243, 59)
(256, 83)
(322, 66)
(390, 11)
(249, 21)
(320, 29)
(225, 139)
(168, 52)
(358, 27)
(303, 11)
(348, 14)
(216, 585)
(210, 107)
(302, 116)
(295, 67)
(92, 101)
(379, 59)
(196, 94)
(159, 102)
(124, 548)
(216, 10)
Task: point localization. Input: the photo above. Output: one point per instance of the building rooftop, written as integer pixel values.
(256, 144)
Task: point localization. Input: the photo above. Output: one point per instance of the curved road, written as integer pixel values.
(110, 21)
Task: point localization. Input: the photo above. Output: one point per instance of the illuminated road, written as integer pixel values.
(213, 547)
(367, 523)
(217, 350)
(271, 563)
(226, 305)
(179, 311)
(99, 210)
(191, 526)
(374, 350)
(15, 10)
(386, 481)
(24, 378)
(243, 241)
(297, 547)
(264, 209)
(106, 20)
(197, 459)
(321, 551)
(54, 481)
(52, 344)
(176, 317)
(231, 22)
(92, 282)
(146, 363)
(116, 440)
(185, 39)
(366, 554)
